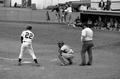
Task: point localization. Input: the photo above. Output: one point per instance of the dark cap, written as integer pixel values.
(29, 27)
(60, 42)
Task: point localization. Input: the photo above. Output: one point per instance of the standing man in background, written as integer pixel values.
(47, 16)
(69, 13)
(102, 5)
(108, 5)
(57, 10)
(26, 40)
(87, 44)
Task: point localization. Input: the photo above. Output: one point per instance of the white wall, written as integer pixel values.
(40, 4)
(18, 2)
(44, 3)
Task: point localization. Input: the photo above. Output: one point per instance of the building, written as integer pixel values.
(6, 3)
(114, 6)
(40, 4)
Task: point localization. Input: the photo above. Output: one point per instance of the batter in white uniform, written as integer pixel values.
(26, 40)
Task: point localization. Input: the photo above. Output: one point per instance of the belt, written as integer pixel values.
(87, 42)
(26, 41)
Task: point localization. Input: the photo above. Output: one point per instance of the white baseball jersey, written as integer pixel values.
(69, 9)
(27, 36)
(67, 49)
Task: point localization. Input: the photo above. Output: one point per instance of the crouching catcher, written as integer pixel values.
(65, 54)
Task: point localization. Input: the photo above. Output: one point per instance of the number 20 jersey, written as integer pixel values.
(27, 36)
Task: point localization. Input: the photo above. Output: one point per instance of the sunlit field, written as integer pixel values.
(106, 53)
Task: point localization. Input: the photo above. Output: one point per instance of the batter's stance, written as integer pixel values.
(26, 40)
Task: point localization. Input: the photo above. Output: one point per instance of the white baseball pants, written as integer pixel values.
(27, 46)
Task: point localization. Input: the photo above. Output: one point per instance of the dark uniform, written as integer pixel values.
(102, 4)
(108, 5)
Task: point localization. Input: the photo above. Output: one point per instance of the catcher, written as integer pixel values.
(65, 54)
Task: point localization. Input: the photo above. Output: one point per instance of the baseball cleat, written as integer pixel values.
(82, 64)
(89, 64)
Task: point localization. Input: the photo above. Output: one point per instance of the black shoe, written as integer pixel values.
(35, 60)
(82, 64)
(19, 61)
(70, 63)
(89, 64)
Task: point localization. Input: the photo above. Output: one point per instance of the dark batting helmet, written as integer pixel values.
(61, 42)
(28, 27)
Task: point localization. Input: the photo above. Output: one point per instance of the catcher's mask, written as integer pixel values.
(60, 44)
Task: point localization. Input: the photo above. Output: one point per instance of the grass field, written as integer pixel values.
(106, 61)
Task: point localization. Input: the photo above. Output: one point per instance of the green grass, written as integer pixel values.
(106, 53)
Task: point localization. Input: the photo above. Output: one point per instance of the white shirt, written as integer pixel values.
(27, 36)
(69, 9)
(67, 49)
(83, 7)
(87, 33)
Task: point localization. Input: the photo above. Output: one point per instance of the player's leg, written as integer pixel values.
(59, 17)
(84, 49)
(62, 60)
(89, 51)
(22, 49)
(69, 18)
(65, 17)
(70, 61)
(68, 57)
(31, 51)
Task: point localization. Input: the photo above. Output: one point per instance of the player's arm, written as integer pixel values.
(60, 51)
(21, 39)
(83, 36)
(22, 36)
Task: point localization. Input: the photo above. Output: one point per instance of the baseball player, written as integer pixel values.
(26, 40)
(65, 54)
(69, 13)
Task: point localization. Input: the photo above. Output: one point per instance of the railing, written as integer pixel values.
(114, 6)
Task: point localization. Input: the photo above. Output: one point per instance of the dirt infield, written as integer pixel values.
(106, 53)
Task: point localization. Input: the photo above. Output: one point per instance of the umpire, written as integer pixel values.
(87, 44)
